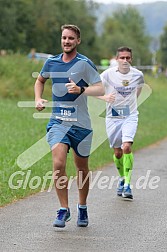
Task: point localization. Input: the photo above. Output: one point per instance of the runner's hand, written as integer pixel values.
(39, 104)
(72, 87)
(110, 98)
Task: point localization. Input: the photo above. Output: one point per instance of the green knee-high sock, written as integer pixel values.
(128, 165)
(119, 164)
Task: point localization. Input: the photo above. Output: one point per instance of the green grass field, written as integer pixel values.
(19, 130)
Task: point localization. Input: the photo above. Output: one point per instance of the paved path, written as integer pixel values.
(115, 225)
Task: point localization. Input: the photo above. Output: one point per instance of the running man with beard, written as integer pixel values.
(123, 84)
(74, 77)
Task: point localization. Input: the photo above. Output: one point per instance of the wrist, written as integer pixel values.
(37, 98)
(82, 89)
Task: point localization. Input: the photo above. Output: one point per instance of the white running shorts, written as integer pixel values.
(121, 130)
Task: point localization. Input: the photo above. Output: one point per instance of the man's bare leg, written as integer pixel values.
(59, 156)
(82, 178)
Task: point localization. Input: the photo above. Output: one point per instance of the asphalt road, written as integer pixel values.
(115, 225)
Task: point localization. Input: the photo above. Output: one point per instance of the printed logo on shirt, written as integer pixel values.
(125, 83)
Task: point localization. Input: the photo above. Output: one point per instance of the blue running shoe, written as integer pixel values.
(120, 187)
(63, 216)
(82, 217)
(127, 192)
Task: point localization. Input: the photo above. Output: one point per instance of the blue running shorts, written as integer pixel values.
(78, 138)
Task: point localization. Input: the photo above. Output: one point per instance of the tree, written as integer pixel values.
(126, 28)
(163, 47)
(7, 25)
(14, 21)
(46, 33)
(36, 24)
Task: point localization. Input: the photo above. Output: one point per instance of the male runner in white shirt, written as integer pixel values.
(123, 85)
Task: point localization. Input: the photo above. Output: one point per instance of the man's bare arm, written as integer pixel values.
(93, 90)
(38, 90)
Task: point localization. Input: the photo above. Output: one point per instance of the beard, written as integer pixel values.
(69, 50)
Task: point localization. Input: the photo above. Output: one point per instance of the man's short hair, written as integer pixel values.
(124, 49)
(73, 28)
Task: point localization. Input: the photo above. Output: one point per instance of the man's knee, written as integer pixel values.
(127, 148)
(118, 152)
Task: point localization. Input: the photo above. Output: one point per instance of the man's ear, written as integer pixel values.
(79, 41)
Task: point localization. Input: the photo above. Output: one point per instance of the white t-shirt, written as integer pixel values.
(124, 86)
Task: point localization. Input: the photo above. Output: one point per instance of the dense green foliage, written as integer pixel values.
(127, 27)
(36, 24)
(163, 47)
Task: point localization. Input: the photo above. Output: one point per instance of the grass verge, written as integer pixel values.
(19, 130)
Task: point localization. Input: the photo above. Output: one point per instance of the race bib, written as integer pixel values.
(66, 112)
(120, 111)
